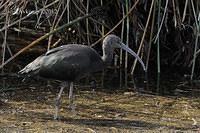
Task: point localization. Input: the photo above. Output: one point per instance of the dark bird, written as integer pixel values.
(70, 62)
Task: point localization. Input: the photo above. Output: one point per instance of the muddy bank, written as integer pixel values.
(31, 110)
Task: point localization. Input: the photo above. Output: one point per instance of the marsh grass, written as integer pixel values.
(164, 33)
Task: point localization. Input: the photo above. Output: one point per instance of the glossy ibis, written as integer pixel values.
(71, 62)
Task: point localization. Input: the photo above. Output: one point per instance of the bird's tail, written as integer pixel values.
(33, 67)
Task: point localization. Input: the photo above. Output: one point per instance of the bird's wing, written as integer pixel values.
(54, 50)
(33, 67)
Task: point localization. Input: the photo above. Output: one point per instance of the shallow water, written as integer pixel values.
(169, 106)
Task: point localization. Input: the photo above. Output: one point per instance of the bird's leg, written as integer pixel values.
(71, 95)
(58, 101)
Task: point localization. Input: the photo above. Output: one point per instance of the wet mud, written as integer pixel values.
(31, 109)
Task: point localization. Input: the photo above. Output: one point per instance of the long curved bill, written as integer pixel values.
(125, 47)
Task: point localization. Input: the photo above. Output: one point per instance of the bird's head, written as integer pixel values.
(112, 41)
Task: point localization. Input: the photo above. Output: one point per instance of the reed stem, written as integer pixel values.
(121, 51)
(151, 35)
(143, 37)
(158, 40)
(127, 43)
(196, 39)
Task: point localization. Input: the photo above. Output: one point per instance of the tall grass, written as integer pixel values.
(168, 31)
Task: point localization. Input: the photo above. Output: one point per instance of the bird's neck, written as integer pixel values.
(107, 54)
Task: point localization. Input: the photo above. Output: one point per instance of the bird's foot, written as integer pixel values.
(49, 85)
(72, 108)
(57, 104)
(93, 85)
(56, 117)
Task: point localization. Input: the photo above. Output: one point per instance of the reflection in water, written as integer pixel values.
(3, 85)
(171, 86)
(164, 85)
(114, 78)
(158, 83)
